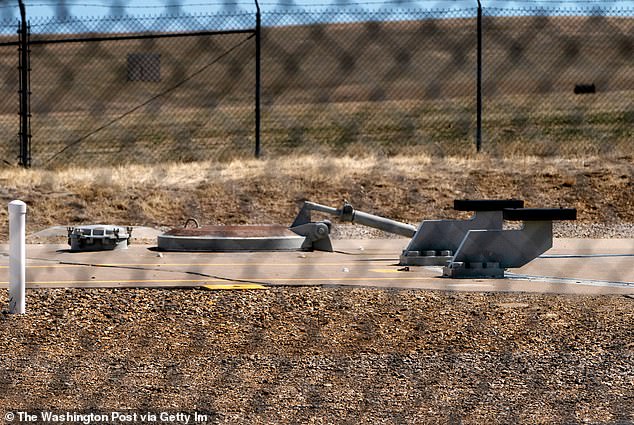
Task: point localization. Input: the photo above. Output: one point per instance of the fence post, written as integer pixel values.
(17, 257)
(479, 83)
(25, 90)
(258, 82)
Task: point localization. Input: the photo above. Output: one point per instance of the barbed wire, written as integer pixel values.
(339, 4)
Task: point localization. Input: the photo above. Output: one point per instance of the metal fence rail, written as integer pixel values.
(341, 80)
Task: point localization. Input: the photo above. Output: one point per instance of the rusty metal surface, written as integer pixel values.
(245, 231)
(231, 238)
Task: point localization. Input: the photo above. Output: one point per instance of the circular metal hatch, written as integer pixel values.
(270, 237)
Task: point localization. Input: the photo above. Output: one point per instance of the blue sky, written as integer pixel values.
(142, 7)
(38, 9)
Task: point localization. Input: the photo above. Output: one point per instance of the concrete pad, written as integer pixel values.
(574, 266)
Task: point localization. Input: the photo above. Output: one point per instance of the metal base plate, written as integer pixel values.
(425, 258)
(422, 260)
(473, 270)
(77, 245)
(231, 238)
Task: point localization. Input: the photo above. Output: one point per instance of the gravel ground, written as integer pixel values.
(565, 229)
(326, 355)
(561, 229)
(323, 355)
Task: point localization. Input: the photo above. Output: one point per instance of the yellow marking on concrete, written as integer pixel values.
(234, 286)
(384, 270)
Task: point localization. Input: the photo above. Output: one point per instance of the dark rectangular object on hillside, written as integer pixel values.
(585, 89)
(144, 67)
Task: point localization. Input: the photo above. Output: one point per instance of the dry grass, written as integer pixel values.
(270, 191)
(311, 167)
(387, 88)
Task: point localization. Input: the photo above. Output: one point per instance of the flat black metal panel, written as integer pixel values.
(540, 214)
(486, 204)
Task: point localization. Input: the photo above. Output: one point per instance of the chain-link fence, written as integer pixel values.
(141, 97)
(370, 86)
(350, 336)
(10, 105)
(345, 79)
(559, 84)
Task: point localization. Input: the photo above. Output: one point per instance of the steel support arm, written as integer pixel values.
(348, 213)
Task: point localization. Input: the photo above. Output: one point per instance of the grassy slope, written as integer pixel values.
(269, 191)
(349, 88)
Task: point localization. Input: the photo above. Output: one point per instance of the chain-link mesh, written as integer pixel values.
(370, 86)
(153, 99)
(344, 79)
(558, 85)
(9, 107)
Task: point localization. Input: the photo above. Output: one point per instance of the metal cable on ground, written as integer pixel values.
(152, 99)
(150, 269)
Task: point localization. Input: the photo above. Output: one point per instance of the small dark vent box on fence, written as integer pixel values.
(144, 67)
(585, 88)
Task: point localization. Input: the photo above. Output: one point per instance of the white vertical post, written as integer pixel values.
(17, 257)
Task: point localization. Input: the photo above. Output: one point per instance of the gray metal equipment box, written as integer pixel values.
(99, 237)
